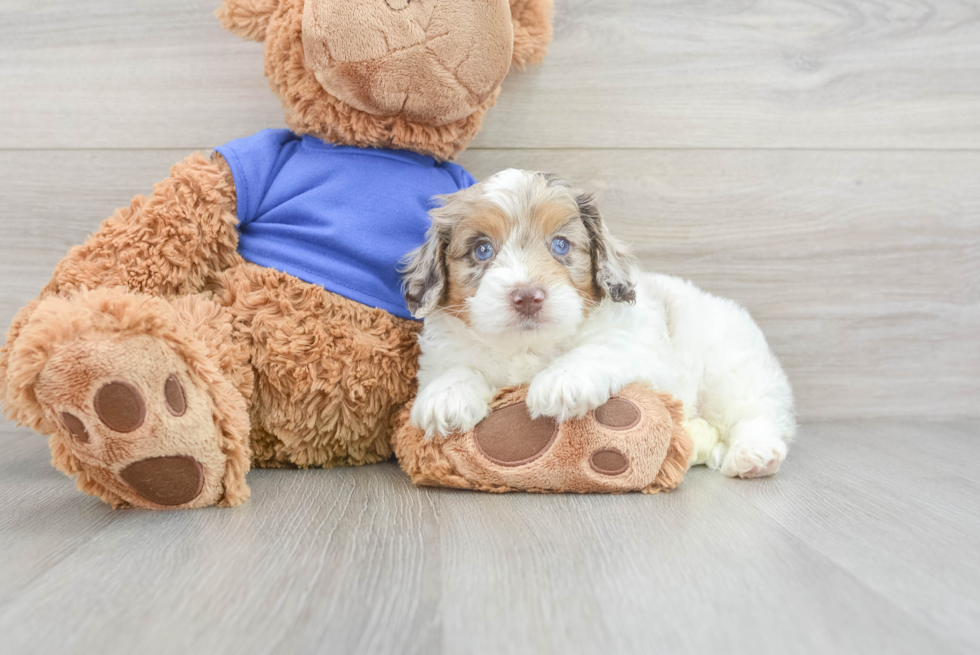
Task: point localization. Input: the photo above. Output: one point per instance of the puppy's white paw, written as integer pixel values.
(451, 405)
(754, 456)
(563, 394)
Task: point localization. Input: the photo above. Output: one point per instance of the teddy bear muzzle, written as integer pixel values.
(434, 62)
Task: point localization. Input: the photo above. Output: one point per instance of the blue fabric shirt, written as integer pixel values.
(337, 216)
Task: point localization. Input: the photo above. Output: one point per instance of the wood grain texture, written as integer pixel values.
(862, 543)
(621, 73)
(863, 268)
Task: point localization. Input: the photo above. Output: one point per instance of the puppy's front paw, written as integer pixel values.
(445, 407)
(564, 394)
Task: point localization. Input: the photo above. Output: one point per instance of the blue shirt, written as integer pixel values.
(338, 216)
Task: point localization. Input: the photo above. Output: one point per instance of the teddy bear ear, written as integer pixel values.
(248, 19)
(532, 30)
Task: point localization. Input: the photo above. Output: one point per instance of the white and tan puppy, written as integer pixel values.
(519, 282)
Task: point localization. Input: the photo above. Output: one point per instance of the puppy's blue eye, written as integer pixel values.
(559, 246)
(483, 252)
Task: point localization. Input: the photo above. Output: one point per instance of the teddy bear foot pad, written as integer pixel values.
(133, 419)
(635, 442)
(510, 437)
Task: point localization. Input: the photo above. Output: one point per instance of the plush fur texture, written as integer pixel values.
(329, 372)
(248, 19)
(657, 449)
(601, 324)
(265, 369)
(312, 109)
(532, 30)
(432, 62)
(71, 346)
(168, 243)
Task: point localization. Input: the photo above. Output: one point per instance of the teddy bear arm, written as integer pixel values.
(168, 243)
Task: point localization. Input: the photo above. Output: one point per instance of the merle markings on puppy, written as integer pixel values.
(519, 282)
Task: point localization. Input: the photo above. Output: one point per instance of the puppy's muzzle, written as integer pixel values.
(527, 299)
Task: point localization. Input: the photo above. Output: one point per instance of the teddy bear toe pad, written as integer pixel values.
(75, 426)
(618, 414)
(609, 461)
(120, 406)
(173, 395)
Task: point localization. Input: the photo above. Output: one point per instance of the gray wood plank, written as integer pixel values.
(321, 557)
(621, 73)
(907, 504)
(862, 267)
(861, 544)
(33, 542)
(696, 573)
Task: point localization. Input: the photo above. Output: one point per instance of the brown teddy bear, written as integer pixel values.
(248, 311)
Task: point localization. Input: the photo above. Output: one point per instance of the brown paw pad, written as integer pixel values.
(510, 437)
(609, 461)
(120, 406)
(173, 396)
(75, 426)
(167, 481)
(618, 414)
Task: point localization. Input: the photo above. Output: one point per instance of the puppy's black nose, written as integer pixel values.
(527, 299)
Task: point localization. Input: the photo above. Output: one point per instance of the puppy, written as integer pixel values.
(519, 282)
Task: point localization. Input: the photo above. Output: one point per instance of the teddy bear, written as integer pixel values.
(636, 441)
(248, 312)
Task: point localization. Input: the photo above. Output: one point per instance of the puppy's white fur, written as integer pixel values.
(705, 350)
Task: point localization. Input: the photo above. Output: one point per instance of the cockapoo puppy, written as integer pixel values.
(519, 282)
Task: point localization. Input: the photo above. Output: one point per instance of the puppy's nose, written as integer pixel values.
(527, 299)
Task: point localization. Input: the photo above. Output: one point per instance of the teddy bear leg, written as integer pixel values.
(329, 372)
(144, 399)
(634, 442)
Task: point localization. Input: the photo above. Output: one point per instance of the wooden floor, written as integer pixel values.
(866, 542)
(819, 162)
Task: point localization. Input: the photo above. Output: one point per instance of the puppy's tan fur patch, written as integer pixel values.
(531, 231)
(522, 215)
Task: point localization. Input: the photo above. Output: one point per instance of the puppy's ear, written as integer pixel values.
(532, 30)
(424, 272)
(611, 263)
(248, 19)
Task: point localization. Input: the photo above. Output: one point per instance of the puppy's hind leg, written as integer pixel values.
(707, 440)
(756, 448)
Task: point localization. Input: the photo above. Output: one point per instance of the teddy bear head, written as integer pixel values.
(408, 74)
